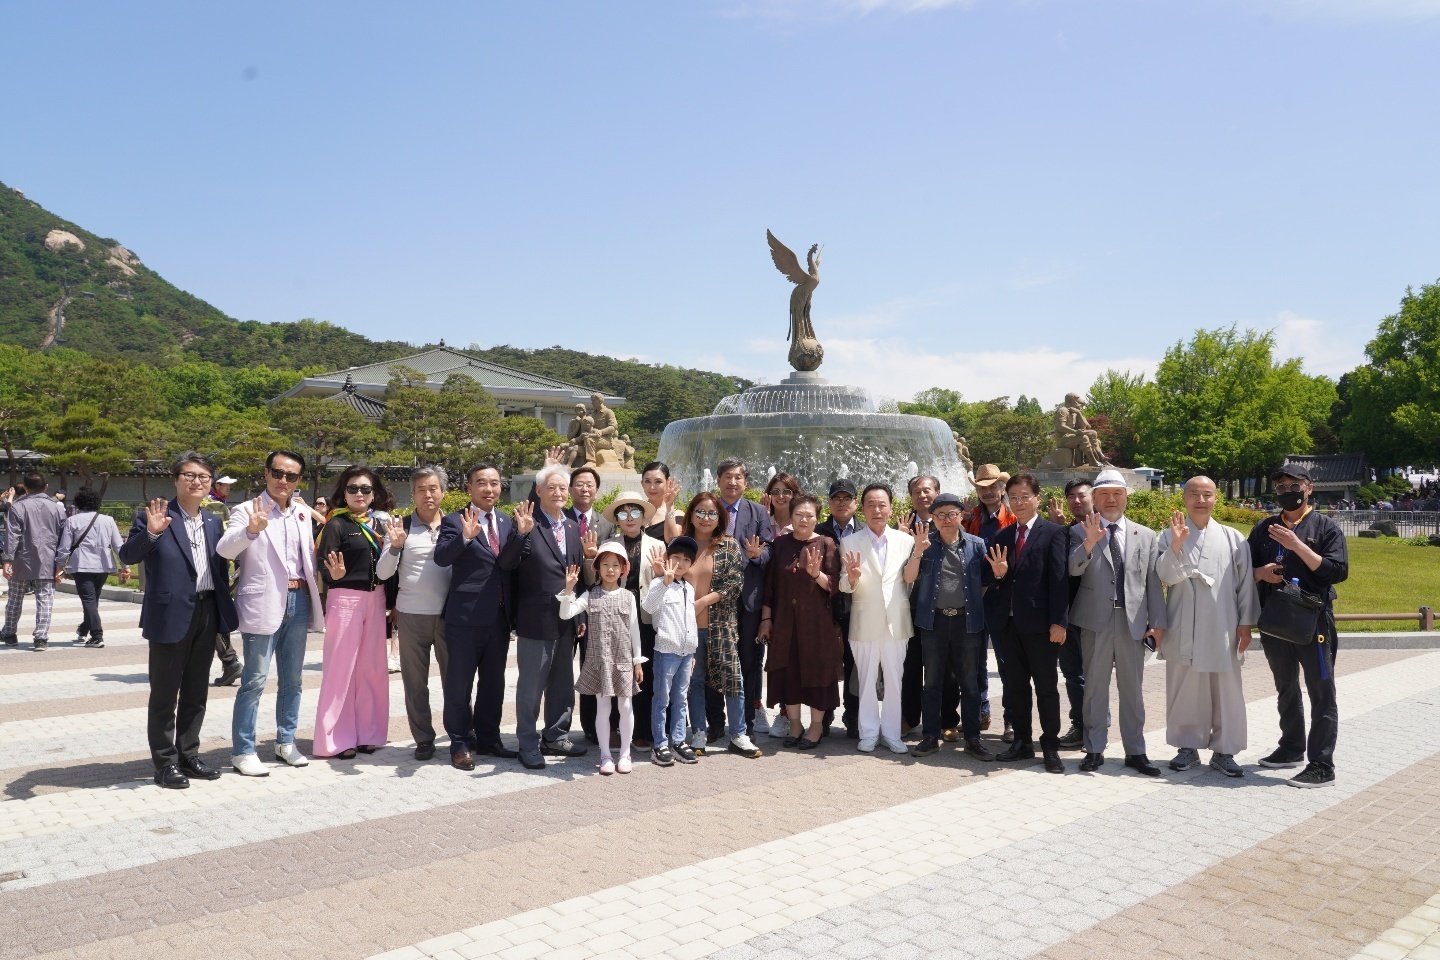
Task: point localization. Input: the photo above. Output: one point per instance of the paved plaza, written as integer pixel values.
(831, 853)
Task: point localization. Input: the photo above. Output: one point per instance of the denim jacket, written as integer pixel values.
(927, 584)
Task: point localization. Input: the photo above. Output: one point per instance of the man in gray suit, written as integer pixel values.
(1118, 605)
(32, 535)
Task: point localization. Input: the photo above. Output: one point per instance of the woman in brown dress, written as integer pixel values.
(804, 661)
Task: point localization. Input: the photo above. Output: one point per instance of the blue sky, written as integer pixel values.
(1012, 196)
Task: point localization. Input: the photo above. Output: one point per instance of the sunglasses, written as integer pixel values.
(285, 475)
(629, 513)
(782, 493)
(707, 515)
(364, 489)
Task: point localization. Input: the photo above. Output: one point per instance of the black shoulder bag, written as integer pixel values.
(1291, 614)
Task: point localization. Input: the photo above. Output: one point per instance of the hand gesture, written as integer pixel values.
(1179, 532)
(395, 532)
(1094, 532)
(657, 561)
(258, 520)
(590, 544)
(812, 561)
(524, 517)
(672, 494)
(999, 561)
(1056, 510)
(671, 570)
(572, 577)
(754, 547)
(1284, 536)
(921, 531)
(1270, 573)
(335, 565)
(852, 566)
(470, 523)
(157, 519)
(765, 501)
(555, 454)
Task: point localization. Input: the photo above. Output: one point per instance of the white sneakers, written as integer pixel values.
(762, 720)
(393, 662)
(779, 729)
(743, 746)
(896, 746)
(866, 745)
(249, 765)
(289, 753)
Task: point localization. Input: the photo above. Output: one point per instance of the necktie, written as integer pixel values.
(1117, 563)
(1019, 545)
(490, 533)
(584, 524)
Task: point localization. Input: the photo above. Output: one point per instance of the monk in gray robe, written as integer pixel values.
(1212, 608)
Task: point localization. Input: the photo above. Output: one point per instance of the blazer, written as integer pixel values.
(604, 529)
(880, 599)
(839, 602)
(1093, 605)
(927, 584)
(32, 535)
(261, 588)
(1038, 586)
(540, 575)
(169, 601)
(751, 519)
(482, 589)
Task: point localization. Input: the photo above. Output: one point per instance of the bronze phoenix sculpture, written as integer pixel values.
(805, 351)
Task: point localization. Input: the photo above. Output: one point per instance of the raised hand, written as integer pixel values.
(1056, 510)
(672, 493)
(765, 501)
(258, 521)
(335, 565)
(812, 561)
(921, 531)
(395, 532)
(657, 561)
(554, 454)
(1179, 532)
(470, 523)
(524, 517)
(672, 568)
(1284, 536)
(1094, 532)
(852, 566)
(157, 519)
(572, 577)
(754, 547)
(590, 544)
(999, 561)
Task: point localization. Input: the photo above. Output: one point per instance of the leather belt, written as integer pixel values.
(296, 584)
(949, 611)
(204, 594)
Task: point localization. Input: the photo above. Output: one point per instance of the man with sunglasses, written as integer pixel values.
(1300, 544)
(277, 600)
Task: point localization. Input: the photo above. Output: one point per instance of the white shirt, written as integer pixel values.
(195, 533)
(879, 545)
(293, 536)
(487, 523)
(572, 606)
(672, 611)
(557, 531)
(424, 585)
(1118, 534)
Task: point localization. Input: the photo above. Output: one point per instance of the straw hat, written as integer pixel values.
(630, 499)
(988, 473)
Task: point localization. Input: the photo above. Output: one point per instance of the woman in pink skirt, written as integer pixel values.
(354, 711)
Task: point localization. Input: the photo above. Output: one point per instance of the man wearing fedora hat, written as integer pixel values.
(986, 520)
(629, 514)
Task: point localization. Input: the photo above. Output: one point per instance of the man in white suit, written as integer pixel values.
(880, 564)
(277, 598)
(1118, 604)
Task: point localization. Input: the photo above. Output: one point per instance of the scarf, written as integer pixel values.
(371, 536)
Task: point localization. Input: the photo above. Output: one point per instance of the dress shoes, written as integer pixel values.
(974, 748)
(197, 769)
(170, 777)
(1092, 762)
(425, 749)
(1072, 739)
(1008, 736)
(229, 674)
(1053, 763)
(290, 755)
(497, 749)
(1141, 764)
(985, 722)
(1019, 750)
(564, 747)
(462, 759)
(249, 765)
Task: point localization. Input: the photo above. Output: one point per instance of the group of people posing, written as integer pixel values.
(698, 620)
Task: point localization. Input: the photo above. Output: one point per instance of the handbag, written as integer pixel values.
(1291, 614)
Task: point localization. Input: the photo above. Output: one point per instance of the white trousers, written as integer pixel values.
(870, 657)
(1205, 710)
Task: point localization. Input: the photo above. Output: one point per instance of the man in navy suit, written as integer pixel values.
(186, 603)
(548, 543)
(750, 524)
(1028, 599)
(479, 608)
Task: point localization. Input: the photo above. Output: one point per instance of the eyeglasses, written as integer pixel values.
(189, 477)
(706, 515)
(629, 513)
(285, 475)
(1022, 497)
(947, 515)
(364, 489)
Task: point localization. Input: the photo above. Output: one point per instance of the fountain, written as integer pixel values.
(808, 427)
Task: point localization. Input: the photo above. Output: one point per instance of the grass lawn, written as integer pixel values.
(1386, 576)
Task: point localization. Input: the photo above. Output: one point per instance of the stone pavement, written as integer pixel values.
(829, 853)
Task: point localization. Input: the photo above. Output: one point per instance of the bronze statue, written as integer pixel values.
(805, 351)
(580, 448)
(962, 450)
(1076, 443)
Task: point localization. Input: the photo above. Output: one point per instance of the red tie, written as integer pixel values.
(494, 540)
(1019, 544)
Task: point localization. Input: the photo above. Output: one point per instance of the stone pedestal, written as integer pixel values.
(612, 477)
(1058, 478)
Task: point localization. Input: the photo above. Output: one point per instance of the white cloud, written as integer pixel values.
(1324, 347)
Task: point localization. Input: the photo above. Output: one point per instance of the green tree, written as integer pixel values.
(411, 417)
(517, 444)
(464, 419)
(258, 385)
(86, 442)
(194, 384)
(324, 431)
(1110, 408)
(148, 442)
(1393, 398)
(25, 406)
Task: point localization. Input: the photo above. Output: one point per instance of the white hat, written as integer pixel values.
(226, 479)
(1109, 478)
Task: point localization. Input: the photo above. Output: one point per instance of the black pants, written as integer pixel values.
(1317, 662)
(475, 650)
(849, 702)
(225, 650)
(87, 588)
(1073, 668)
(912, 683)
(1026, 659)
(948, 647)
(179, 686)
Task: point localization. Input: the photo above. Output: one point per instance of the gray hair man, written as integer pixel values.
(1119, 603)
(420, 600)
(1213, 606)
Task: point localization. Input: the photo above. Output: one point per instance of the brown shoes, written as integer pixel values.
(462, 759)
(951, 735)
